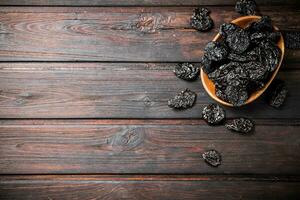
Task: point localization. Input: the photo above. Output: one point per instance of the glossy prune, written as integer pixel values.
(201, 20)
(186, 71)
(245, 7)
(215, 51)
(240, 125)
(183, 100)
(212, 157)
(213, 114)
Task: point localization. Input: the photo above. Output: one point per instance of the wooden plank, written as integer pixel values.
(84, 188)
(114, 90)
(143, 147)
(136, 2)
(115, 34)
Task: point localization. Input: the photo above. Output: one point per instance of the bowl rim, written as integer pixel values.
(258, 93)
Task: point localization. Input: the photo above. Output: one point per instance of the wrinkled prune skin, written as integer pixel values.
(258, 37)
(276, 94)
(245, 57)
(236, 38)
(256, 71)
(292, 39)
(201, 20)
(270, 55)
(240, 125)
(212, 157)
(207, 65)
(186, 71)
(236, 95)
(213, 114)
(183, 100)
(262, 25)
(245, 7)
(216, 51)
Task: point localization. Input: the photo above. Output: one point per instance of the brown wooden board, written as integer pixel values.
(115, 90)
(115, 34)
(97, 187)
(136, 2)
(145, 147)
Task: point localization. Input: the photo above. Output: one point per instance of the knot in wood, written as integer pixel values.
(127, 140)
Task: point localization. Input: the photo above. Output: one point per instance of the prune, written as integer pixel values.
(245, 57)
(215, 51)
(276, 94)
(183, 100)
(258, 37)
(227, 28)
(207, 65)
(263, 24)
(236, 95)
(201, 20)
(292, 39)
(186, 71)
(240, 125)
(238, 40)
(245, 7)
(212, 157)
(270, 55)
(256, 71)
(213, 114)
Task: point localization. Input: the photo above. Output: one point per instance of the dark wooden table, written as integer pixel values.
(84, 86)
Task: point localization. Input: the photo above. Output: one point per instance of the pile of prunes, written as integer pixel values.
(243, 60)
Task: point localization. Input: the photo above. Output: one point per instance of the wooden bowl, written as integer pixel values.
(209, 85)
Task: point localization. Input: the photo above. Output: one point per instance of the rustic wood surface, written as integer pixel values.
(83, 114)
(139, 146)
(136, 188)
(115, 90)
(154, 34)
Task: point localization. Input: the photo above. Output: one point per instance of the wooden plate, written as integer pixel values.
(209, 85)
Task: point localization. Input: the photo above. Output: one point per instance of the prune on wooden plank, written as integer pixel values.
(276, 93)
(212, 157)
(216, 51)
(201, 20)
(240, 125)
(186, 71)
(183, 100)
(245, 7)
(292, 39)
(213, 114)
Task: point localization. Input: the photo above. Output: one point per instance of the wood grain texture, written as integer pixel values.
(143, 147)
(115, 90)
(95, 187)
(115, 34)
(136, 2)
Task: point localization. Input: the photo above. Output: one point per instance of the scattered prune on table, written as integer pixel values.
(212, 157)
(240, 125)
(213, 114)
(201, 20)
(245, 7)
(215, 51)
(236, 38)
(183, 100)
(292, 39)
(186, 71)
(276, 93)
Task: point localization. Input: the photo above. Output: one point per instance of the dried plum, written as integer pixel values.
(236, 38)
(245, 7)
(212, 157)
(270, 55)
(186, 71)
(241, 125)
(245, 57)
(292, 39)
(201, 20)
(263, 24)
(183, 100)
(213, 114)
(258, 37)
(276, 94)
(227, 28)
(256, 71)
(236, 95)
(215, 51)
(207, 65)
